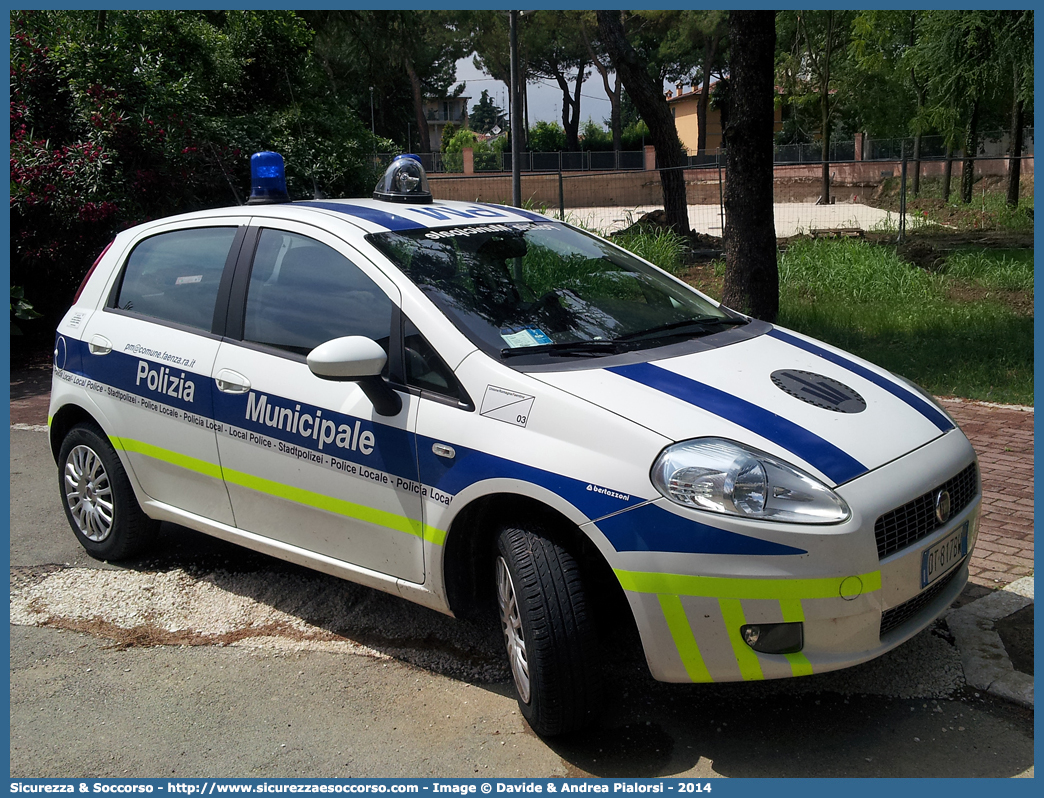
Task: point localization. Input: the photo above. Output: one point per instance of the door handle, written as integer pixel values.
(99, 345)
(443, 450)
(229, 381)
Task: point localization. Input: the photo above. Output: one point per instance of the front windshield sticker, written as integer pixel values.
(507, 406)
(527, 336)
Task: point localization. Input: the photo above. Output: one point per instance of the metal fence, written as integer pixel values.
(612, 200)
(992, 144)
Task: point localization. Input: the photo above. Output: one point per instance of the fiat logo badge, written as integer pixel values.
(942, 506)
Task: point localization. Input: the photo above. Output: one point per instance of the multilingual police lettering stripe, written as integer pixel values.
(823, 455)
(921, 405)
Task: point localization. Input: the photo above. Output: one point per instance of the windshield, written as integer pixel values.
(533, 288)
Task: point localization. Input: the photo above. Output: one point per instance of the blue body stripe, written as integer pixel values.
(392, 221)
(633, 524)
(823, 455)
(652, 528)
(919, 404)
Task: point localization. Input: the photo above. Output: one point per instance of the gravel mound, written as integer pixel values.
(259, 609)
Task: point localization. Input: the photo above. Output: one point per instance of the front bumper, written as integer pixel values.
(853, 604)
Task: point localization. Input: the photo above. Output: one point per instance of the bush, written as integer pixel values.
(547, 137)
(595, 138)
(486, 158)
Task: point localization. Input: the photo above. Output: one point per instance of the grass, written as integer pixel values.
(988, 209)
(662, 247)
(998, 269)
(866, 300)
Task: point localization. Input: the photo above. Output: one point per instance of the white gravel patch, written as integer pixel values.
(258, 610)
(266, 610)
(791, 218)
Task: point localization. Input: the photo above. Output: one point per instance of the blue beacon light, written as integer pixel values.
(404, 181)
(267, 179)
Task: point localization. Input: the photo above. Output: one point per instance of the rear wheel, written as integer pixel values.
(548, 631)
(98, 499)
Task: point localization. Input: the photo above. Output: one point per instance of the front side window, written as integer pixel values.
(529, 289)
(175, 276)
(303, 293)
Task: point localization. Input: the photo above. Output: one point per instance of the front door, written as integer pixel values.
(308, 461)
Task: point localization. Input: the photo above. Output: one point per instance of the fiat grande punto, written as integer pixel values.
(471, 405)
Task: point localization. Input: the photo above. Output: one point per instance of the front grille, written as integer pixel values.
(915, 520)
(897, 616)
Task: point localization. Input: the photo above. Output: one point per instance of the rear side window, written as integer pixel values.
(175, 276)
(303, 293)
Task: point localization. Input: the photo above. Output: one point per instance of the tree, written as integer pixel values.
(818, 50)
(489, 36)
(888, 92)
(751, 273)
(604, 66)
(692, 49)
(960, 53)
(119, 117)
(1018, 57)
(485, 115)
(391, 50)
(648, 97)
(556, 50)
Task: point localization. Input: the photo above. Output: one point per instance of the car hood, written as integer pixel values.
(810, 404)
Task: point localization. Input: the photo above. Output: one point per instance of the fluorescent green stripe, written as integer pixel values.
(681, 631)
(792, 613)
(299, 495)
(799, 664)
(732, 614)
(726, 587)
(435, 536)
(791, 609)
(49, 420)
(321, 502)
(167, 456)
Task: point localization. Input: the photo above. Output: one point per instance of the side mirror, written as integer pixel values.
(356, 358)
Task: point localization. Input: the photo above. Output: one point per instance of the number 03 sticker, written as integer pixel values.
(507, 406)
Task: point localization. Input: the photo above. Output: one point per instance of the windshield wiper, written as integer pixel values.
(590, 348)
(686, 327)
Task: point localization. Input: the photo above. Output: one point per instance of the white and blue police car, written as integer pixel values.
(473, 405)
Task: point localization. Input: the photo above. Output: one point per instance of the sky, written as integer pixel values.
(545, 97)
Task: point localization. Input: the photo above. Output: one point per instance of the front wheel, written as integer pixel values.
(98, 499)
(548, 631)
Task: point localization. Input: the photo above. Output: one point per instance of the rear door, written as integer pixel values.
(148, 357)
(307, 461)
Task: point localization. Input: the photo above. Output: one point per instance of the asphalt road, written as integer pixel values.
(381, 687)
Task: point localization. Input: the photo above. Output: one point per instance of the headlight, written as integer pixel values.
(725, 477)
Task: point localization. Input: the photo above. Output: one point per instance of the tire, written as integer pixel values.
(548, 631)
(98, 499)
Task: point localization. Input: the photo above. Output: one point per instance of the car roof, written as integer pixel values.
(373, 216)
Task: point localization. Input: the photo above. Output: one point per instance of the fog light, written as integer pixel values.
(774, 638)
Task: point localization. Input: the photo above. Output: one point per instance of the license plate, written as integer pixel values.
(945, 554)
